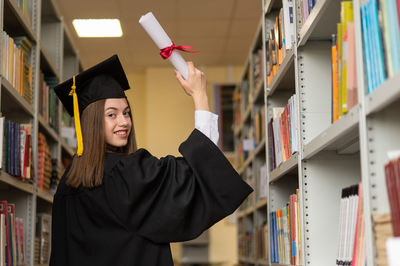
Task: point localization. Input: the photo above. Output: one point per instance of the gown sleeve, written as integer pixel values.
(175, 198)
(207, 123)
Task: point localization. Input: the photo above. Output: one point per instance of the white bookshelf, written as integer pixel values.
(331, 156)
(54, 53)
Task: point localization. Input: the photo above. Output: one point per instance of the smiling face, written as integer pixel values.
(117, 122)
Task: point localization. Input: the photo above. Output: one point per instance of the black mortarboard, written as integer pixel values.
(102, 81)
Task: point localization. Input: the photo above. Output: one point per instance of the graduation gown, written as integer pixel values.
(144, 204)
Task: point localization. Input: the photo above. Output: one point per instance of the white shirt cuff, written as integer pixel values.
(207, 123)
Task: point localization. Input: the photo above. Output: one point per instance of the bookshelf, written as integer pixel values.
(330, 155)
(52, 54)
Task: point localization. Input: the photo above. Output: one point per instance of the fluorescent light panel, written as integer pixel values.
(91, 28)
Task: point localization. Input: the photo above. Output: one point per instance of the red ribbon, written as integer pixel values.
(167, 51)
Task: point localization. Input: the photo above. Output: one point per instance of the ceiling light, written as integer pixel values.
(97, 27)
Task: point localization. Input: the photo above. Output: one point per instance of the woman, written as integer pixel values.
(116, 205)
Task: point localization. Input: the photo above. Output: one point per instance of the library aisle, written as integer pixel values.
(308, 98)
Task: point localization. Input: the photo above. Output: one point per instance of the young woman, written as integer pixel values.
(116, 205)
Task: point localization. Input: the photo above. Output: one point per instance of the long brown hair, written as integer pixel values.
(87, 170)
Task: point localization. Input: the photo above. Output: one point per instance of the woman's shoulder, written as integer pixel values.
(121, 160)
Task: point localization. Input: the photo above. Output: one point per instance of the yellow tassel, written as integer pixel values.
(77, 119)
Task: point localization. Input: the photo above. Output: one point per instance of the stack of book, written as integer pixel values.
(12, 245)
(237, 114)
(306, 6)
(285, 240)
(43, 232)
(245, 97)
(259, 124)
(16, 156)
(383, 231)
(262, 249)
(279, 39)
(36, 256)
(258, 68)
(15, 64)
(381, 40)
(344, 71)
(262, 182)
(45, 166)
(248, 177)
(25, 7)
(282, 132)
(246, 241)
(48, 102)
(351, 242)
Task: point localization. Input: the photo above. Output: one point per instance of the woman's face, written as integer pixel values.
(117, 122)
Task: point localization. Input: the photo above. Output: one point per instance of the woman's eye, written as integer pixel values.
(126, 113)
(111, 115)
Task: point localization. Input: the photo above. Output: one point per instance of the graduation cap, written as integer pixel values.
(102, 81)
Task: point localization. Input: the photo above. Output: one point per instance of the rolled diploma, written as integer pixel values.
(160, 37)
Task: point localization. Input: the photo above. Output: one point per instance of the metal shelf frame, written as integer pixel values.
(47, 32)
(331, 156)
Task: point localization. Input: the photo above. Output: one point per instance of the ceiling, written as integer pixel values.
(222, 30)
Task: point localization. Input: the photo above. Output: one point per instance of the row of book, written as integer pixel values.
(237, 110)
(258, 68)
(246, 145)
(259, 125)
(344, 70)
(12, 244)
(279, 38)
(392, 177)
(351, 233)
(15, 64)
(254, 136)
(25, 6)
(48, 101)
(241, 100)
(262, 182)
(383, 231)
(67, 129)
(16, 156)
(247, 176)
(246, 239)
(285, 239)
(282, 132)
(262, 241)
(42, 239)
(380, 21)
(47, 167)
(306, 6)
(245, 95)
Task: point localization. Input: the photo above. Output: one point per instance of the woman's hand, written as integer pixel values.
(195, 86)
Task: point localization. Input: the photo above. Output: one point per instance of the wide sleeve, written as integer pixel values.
(175, 198)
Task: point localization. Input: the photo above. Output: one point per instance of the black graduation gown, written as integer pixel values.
(144, 204)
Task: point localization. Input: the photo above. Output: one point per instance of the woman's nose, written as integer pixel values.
(123, 121)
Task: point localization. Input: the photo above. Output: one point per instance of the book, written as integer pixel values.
(2, 239)
(392, 176)
(359, 257)
(4, 212)
(2, 119)
(351, 81)
(346, 16)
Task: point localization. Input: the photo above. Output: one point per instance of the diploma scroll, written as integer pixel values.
(161, 39)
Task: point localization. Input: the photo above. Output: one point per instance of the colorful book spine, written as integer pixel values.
(285, 231)
(392, 175)
(282, 133)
